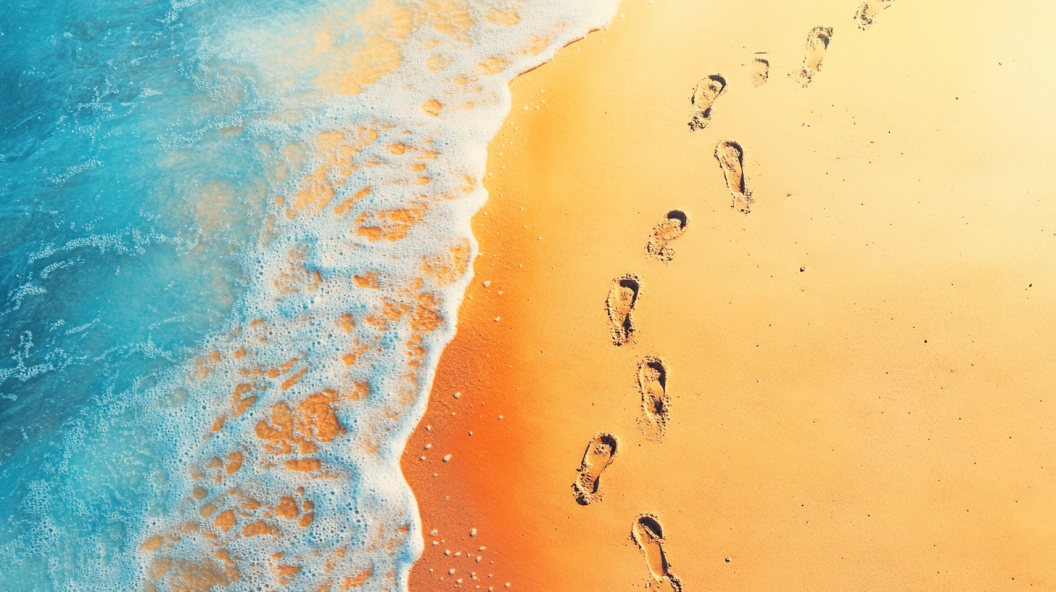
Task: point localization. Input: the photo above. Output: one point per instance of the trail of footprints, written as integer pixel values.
(625, 293)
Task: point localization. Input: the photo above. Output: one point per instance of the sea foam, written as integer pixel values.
(267, 455)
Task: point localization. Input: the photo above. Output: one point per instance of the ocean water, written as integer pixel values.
(234, 238)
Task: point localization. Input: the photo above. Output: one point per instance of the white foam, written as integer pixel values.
(305, 273)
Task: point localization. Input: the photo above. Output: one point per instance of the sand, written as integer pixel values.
(844, 355)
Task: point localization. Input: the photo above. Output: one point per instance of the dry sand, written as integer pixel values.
(856, 375)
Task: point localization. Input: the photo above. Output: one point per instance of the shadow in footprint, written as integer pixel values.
(868, 11)
(703, 98)
(656, 403)
(649, 536)
(600, 453)
(760, 68)
(623, 296)
(817, 42)
(731, 159)
(671, 227)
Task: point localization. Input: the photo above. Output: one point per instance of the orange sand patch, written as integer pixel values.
(187, 577)
(432, 107)
(306, 465)
(390, 312)
(506, 18)
(259, 528)
(367, 280)
(295, 277)
(289, 382)
(437, 63)
(447, 270)
(312, 422)
(153, 543)
(357, 580)
(159, 568)
(225, 520)
(287, 509)
(493, 65)
(234, 462)
(394, 224)
(350, 358)
(346, 205)
(345, 322)
(244, 404)
(286, 573)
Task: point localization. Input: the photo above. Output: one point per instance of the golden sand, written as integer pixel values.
(850, 386)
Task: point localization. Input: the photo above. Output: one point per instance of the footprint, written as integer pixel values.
(649, 536)
(760, 68)
(817, 43)
(671, 227)
(623, 296)
(656, 404)
(868, 11)
(600, 453)
(704, 95)
(731, 158)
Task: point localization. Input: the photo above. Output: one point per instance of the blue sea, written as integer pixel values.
(234, 238)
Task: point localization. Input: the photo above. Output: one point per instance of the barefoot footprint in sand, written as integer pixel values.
(623, 296)
(600, 453)
(671, 227)
(731, 159)
(704, 95)
(656, 404)
(760, 68)
(868, 11)
(649, 536)
(817, 43)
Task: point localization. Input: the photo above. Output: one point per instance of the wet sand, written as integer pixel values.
(854, 376)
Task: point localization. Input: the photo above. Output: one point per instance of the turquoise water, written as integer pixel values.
(111, 273)
(166, 307)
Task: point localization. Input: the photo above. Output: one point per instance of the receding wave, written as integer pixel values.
(226, 327)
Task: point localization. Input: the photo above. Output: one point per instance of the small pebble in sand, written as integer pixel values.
(447, 458)
(473, 532)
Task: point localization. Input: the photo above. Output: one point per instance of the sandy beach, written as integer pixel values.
(836, 229)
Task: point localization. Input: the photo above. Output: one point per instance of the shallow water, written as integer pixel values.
(235, 236)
